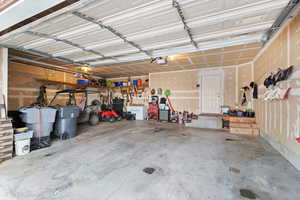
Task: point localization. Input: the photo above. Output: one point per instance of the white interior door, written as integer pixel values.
(211, 91)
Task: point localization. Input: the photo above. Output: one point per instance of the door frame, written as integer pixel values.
(205, 72)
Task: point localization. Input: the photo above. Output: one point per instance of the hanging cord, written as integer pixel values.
(170, 104)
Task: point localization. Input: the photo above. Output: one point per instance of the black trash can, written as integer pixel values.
(66, 121)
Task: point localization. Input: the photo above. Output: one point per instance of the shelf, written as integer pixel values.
(57, 82)
(80, 86)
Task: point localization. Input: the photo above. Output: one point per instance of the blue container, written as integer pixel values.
(83, 82)
(116, 84)
(121, 84)
(135, 82)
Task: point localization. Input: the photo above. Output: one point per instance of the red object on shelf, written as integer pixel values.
(153, 111)
(298, 139)
(140, 82)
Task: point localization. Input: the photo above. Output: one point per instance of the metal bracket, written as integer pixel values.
(42, 54)
(47, 36)
(112, 30)
(51, 66)
(186, 27)
(285, 14)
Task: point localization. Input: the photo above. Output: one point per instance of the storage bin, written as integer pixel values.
(83, 82)
(140, 82)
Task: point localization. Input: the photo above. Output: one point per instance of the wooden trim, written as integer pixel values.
(6, 4)
(38, 16)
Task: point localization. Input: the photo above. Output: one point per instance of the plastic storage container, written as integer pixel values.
(139, 111)
(22, 142)
(66, 121)
(140, 82)
(83, 82)
(39, 119)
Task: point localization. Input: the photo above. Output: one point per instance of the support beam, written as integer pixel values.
(112, 30)
(24, 10)
(186, 27)
(3, 75)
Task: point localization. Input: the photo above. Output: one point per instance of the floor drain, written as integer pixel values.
(232, 139)
(249, 194)
(149, 170)
(49, 154)
(235, 170)
(156, 130)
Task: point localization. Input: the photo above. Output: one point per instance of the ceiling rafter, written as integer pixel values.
(47, 36)
(112, 30)
(186, 27)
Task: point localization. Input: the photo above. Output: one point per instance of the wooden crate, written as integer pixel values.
(243, 125)
(6, 140)
(245, 131)
(242, 119)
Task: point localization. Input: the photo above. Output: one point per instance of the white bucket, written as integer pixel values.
(22, 147)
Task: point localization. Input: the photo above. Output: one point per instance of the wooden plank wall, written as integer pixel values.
(280, 120)
(23, 88)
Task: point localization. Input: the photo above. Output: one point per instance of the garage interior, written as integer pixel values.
(149, 99)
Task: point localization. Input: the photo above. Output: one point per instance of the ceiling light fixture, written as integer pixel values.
(172, 57)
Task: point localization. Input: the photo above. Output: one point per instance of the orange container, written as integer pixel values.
(140, 82)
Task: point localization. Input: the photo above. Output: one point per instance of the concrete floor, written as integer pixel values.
(107, 162)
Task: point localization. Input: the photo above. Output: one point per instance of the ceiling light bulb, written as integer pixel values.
(172, 57)
(85, 69)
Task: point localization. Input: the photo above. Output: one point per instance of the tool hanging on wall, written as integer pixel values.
(244, 99)
(167, 93)
(42, 98)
